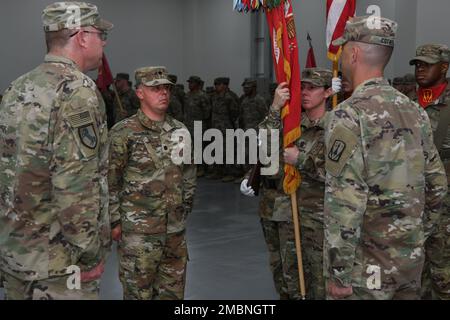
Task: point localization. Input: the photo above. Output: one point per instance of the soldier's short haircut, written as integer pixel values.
(57, 39)
(375, 55)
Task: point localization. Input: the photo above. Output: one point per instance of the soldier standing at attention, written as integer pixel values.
(385, 181)
(197, 108)
(224, 114)
(275, 208)
(226, 82)
(54, 203)
(176, 100)
(175, 109)
(129, 101)
(252, 111)
(150, 196)
(253, 108)
(409, 85)
(433, 94)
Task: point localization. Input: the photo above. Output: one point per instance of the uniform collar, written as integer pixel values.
(372, 82)
(320, 123)
(157, 126)
(445, 95)
(60, 59)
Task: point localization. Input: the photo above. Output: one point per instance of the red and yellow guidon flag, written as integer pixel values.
(285, 55)
(338, 13)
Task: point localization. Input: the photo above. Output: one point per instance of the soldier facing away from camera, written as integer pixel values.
(385, 181)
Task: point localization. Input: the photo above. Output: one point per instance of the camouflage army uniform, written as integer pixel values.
(436, 275)
(276, 220)
(233, 95)
(179, 92)
(252, 112)
(175, 107)
(409, 82)
(374, 236)
(385, 184)
(311, 164)
(130, 104)
(152, 197)
(197, 108)
(224, 113)
(54, 210)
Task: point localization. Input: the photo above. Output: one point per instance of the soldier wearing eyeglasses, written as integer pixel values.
(53, 176)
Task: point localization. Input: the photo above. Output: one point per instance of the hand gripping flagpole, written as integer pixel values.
(285, 52)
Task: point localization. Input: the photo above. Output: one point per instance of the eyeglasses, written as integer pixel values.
(103, 35)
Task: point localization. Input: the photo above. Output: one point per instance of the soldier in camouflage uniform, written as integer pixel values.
(431, 63)
(271, 93)
(197, 108)
(385, 182)
(397, 83)
(308, 156)
(226, 82)
(409, 86)
(54, 192)
(252, 110)
(224, 114)
(129, 102)
(150, 195)
(176, 100)
(179, 89)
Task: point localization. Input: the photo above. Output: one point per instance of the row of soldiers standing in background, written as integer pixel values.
(216, 107)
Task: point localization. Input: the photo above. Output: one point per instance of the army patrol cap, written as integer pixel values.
(369, 29)
(249, 82)
(317, 77)
(222, 80)
(152, 76)
(409, 79)
(123, 76)
(195, 79)
(397, 81)
(73, 15)
(431, 54)
(173, 78)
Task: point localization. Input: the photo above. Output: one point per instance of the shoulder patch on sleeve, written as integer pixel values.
(342, 146)
(85, 132)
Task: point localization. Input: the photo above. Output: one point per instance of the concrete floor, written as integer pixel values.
(228, 255)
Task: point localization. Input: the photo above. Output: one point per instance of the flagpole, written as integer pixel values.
(298, 244)
(116, 94)
(276, 10)
(335, 75)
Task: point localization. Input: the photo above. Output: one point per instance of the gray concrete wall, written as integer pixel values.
(205, 37)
